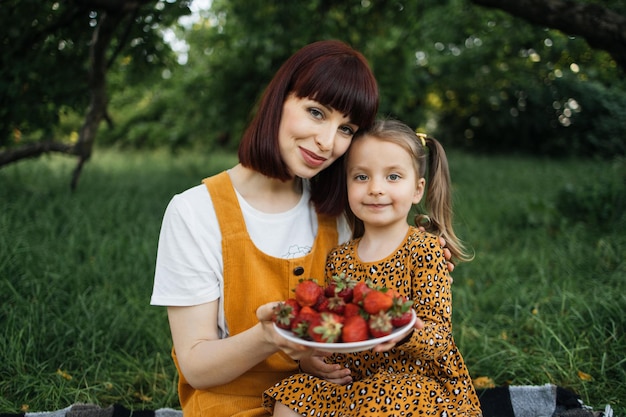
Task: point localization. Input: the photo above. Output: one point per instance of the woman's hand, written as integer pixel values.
(294, 350)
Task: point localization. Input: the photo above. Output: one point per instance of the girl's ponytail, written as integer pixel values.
(438, 202)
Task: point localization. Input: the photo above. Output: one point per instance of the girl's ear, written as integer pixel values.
(419, 190)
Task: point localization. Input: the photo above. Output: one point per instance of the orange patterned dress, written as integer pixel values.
(424, 376)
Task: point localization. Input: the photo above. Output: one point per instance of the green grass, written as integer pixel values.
(543, 302)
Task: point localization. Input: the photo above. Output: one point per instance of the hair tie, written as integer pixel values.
(422, 137)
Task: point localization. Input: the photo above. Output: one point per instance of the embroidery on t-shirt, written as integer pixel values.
(296, 251)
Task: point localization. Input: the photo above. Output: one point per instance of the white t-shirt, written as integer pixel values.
(189, 266)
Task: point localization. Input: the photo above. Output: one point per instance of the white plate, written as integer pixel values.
(400, 332)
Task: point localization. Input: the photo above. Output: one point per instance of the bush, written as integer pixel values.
(600, 205)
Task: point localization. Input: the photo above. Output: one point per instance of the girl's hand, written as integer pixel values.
(332, 372)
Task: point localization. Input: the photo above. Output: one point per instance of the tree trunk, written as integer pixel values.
(97, 85)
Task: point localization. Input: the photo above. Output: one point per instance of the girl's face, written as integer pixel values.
(312, 136)
(382, 182)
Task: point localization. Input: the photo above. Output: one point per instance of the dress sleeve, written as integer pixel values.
(432, 300)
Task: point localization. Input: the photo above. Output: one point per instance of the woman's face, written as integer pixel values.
(312, 136)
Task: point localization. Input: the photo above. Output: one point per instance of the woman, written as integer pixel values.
(246, 236)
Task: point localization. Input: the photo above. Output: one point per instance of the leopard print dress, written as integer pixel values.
(423, 376)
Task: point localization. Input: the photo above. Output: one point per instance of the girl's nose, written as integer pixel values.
(375, 188)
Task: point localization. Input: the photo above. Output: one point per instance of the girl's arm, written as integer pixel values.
(206, 360)
(432, 302)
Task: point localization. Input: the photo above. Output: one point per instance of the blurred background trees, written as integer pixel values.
(475, 77)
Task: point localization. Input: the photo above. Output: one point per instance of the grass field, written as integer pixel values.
(543, 302)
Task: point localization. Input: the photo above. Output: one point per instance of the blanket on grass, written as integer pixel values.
(505, 401)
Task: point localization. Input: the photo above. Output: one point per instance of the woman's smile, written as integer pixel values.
(311, 158)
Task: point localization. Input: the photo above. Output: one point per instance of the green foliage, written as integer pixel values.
(508, 86)
(44, 64)
(600, 124)
(542, 302)
(29, 94)
(474, 77)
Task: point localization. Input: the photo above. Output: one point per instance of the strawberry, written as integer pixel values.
(359, 292)
(341, 286)
(355, 329)
(376, 301)
(401, 311)
(401, 320)
(285, 312)
(391, 293)
(322, 304)
(380, 324)
(351, 309)
(300, 325)
(307, 292)
(337, 305)
(327, 328)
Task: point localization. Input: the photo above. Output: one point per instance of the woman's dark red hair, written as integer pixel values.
(333, 74)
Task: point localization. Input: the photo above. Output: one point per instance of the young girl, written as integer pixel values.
(426, 375)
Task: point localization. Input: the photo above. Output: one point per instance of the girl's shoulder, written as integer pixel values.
(419, 242)
(416, 235)
(343, 248)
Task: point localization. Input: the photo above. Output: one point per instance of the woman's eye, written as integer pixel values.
(347, 130)
(317, 113)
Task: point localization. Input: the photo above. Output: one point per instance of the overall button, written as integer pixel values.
(298, 270)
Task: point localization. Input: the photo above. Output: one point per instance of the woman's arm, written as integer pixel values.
(206, 360)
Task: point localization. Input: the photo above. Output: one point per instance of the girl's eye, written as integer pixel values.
(360, 177)
(394, 177)
(317, 113)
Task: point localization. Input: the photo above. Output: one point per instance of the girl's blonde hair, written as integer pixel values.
(431, 164)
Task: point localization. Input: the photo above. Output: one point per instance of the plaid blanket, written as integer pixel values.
(505, 401)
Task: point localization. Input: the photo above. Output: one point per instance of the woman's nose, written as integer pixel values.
(325, 139)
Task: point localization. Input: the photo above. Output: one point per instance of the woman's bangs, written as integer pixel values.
(343, 87)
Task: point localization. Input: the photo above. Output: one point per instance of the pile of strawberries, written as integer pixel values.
(344, 311)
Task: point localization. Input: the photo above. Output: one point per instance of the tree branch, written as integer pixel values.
(33, 150)
(599, 26)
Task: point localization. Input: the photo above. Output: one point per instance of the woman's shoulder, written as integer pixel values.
(198, 194)
(192, 205)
